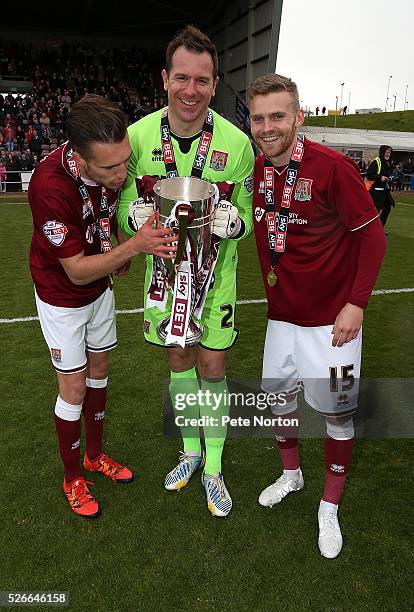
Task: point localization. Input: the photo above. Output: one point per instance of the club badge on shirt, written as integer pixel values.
(303, 191)
(55, 232)
(218, 160)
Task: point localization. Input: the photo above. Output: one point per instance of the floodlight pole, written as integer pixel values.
(349, 103)
(336, 110)
(342, 91)
(388, 91)
(395, 100)
(405, 99)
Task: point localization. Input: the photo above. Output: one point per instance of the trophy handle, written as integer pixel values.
(184, 220)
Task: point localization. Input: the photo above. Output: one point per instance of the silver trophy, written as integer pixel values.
(186, 204)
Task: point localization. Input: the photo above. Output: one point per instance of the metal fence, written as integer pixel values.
(15, 180)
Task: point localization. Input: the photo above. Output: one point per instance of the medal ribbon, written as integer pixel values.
(277, 230)
(202, 149)
(103, 225)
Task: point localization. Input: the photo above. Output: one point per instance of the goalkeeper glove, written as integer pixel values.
(226, 220)
(139, 212)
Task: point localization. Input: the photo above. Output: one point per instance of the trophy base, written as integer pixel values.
(194, 333)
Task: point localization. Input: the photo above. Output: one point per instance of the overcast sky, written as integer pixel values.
(324, 43)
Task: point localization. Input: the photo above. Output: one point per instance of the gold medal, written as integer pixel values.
(271, 278)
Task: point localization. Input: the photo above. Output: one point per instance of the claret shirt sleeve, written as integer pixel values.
(359, 215)
(348, 193)
(371, 245)
(60, 232)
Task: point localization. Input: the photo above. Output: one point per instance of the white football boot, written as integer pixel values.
(181, 474)
(284, 485)
(330, 536)
(218, 498)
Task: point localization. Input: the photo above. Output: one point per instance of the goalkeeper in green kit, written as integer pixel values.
(200, 143)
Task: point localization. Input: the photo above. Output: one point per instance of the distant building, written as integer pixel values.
(362, 143)
(367, 111)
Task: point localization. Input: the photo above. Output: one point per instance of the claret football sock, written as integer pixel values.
(68, 428)
(183, 384)
(338, 455)
(214, 405)
(93, 410)
(287, 442)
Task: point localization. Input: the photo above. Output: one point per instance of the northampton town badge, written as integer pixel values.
(218, 161)
(303, 191)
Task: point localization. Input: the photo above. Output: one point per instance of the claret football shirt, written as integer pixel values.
(328, 207)
(61, 231)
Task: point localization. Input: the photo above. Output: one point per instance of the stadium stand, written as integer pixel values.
(34, 122)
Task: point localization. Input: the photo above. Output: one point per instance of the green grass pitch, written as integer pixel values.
(156, 550)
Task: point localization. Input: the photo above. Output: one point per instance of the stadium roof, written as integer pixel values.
(363, 139)
(146, 18)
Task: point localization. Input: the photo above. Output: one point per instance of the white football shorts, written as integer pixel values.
(297, 356)
(70, 332)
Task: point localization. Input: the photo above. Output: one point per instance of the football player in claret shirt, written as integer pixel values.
(190, 79)
(320, 245)
(73, 196)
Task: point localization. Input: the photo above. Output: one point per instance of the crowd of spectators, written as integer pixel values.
(33, 124)
(401, 177)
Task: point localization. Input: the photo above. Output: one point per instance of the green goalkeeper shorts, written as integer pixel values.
(217, 317)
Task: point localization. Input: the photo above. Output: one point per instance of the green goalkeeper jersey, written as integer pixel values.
(230, 158)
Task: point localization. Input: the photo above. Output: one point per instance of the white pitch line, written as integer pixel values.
(239, 303)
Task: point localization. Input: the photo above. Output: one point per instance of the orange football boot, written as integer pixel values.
(80, 498)
(107, 466)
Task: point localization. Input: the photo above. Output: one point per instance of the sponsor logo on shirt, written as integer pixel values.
(248, 183)
(157, 155)
(55, 232)
(303, 191)
(258, 213)
(56, 355)
(295, 219)
(218, 160)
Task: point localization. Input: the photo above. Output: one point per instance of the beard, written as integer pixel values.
(282, 145)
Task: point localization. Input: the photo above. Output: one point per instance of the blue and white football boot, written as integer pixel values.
(218, 498)
(181, 474)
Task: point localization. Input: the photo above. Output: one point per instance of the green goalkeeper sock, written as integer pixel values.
(215, 406)
(181, 384)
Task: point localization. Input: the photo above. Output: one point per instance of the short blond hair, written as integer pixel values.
(273, 83)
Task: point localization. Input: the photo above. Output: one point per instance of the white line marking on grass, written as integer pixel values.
(383, 291)
(404, 204)
(239, 303)
(12, 203)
